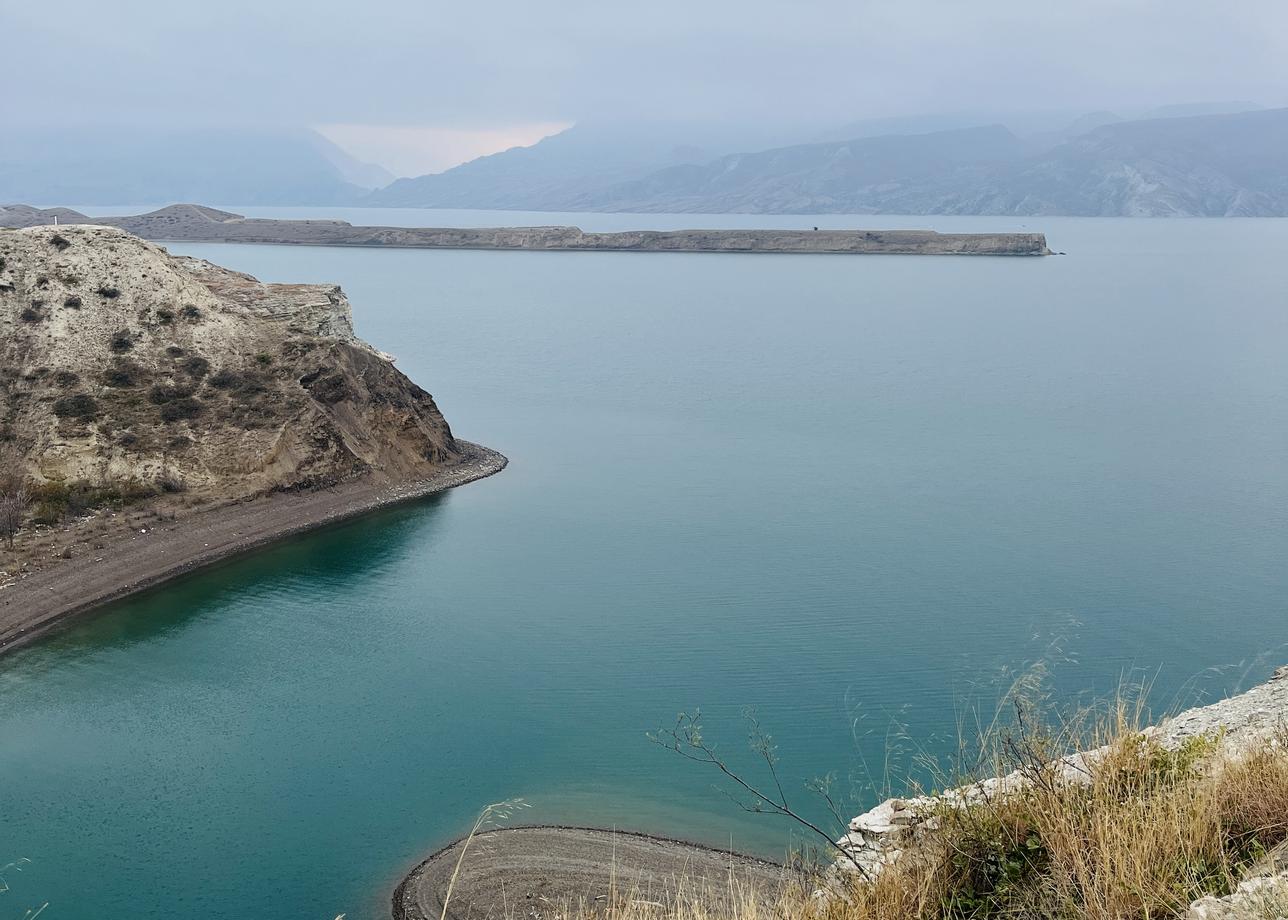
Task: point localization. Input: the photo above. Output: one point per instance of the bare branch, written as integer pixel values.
(686, 740)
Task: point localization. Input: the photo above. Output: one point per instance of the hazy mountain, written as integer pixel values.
(127, 165)
(1211, 165)
(351, 169)
(890, 173)
(1191, 109)
(1205, 166)
(1041, 141)
(906, 124)
(560, 169)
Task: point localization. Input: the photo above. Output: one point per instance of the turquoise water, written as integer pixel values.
(852, 492)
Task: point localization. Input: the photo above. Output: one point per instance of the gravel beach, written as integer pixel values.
(529, 872)
(136, 559)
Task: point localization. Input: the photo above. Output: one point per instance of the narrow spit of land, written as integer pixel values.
(200, 224)
(133, 558)
(532, 871)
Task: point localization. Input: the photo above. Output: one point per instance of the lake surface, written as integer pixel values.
(853, 492)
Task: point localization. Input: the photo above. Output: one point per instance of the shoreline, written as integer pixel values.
(33, 606)
(556, 862)
(190, 223)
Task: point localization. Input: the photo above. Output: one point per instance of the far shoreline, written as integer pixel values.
(33, 606)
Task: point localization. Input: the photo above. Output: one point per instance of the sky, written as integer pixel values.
(418, 84)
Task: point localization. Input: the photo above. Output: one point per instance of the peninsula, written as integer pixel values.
(158, 413)
(198, 224)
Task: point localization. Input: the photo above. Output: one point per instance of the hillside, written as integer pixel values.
(1201, 166)
(159, 412)
(1226, 165)
(122, 362)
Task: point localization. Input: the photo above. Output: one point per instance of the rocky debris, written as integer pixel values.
(1243, 721)
(194, 223)
(1261, 898)
(880, 837)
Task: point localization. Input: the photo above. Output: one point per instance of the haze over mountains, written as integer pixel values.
(1225, 159)
(1209, 165)
(112, 164)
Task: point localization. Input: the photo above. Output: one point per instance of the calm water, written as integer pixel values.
(851, 492)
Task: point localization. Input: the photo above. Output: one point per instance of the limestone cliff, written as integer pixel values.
(122, 363)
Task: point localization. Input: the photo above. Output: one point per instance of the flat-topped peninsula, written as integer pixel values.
(199, 224)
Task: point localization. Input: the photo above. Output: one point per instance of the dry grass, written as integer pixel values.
(1136, 832)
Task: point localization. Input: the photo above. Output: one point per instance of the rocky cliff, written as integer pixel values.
(123, 366)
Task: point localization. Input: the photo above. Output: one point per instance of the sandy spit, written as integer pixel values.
(530, 872)
(44, 600)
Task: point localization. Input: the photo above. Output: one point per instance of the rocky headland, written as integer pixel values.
(158, 412)
(196, 223)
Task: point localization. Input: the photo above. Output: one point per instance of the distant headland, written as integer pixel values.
(199, 224)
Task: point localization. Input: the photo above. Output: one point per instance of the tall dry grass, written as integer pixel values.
(1135, 832)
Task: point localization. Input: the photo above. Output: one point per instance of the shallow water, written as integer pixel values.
(854, 493)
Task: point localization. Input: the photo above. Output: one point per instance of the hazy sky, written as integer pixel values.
(413, 78)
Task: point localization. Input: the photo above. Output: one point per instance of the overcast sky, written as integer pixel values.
(409, 76)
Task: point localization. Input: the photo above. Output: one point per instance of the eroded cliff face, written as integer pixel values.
(121, 362)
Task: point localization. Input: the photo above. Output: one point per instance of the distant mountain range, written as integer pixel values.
(562, 168)
(1210, 166)
(106, 165)
(1227, 159)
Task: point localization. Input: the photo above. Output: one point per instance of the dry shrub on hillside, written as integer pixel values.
(1136, 832)
(15, 496)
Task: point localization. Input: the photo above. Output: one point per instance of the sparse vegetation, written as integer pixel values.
(177, 403)
(196, 367)
(186, 407)
(123, 373)
(59, 500)
(191, 313)
(1137, 831)
(15, 495)
(72, 301)
(30, 315)
(59, 242)
(171, 484)
(108, 291)
(225, 379)
(165, 316)
(79, 406)
(122, 341)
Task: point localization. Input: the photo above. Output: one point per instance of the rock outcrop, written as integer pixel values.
(882, 836)
(121, 363)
